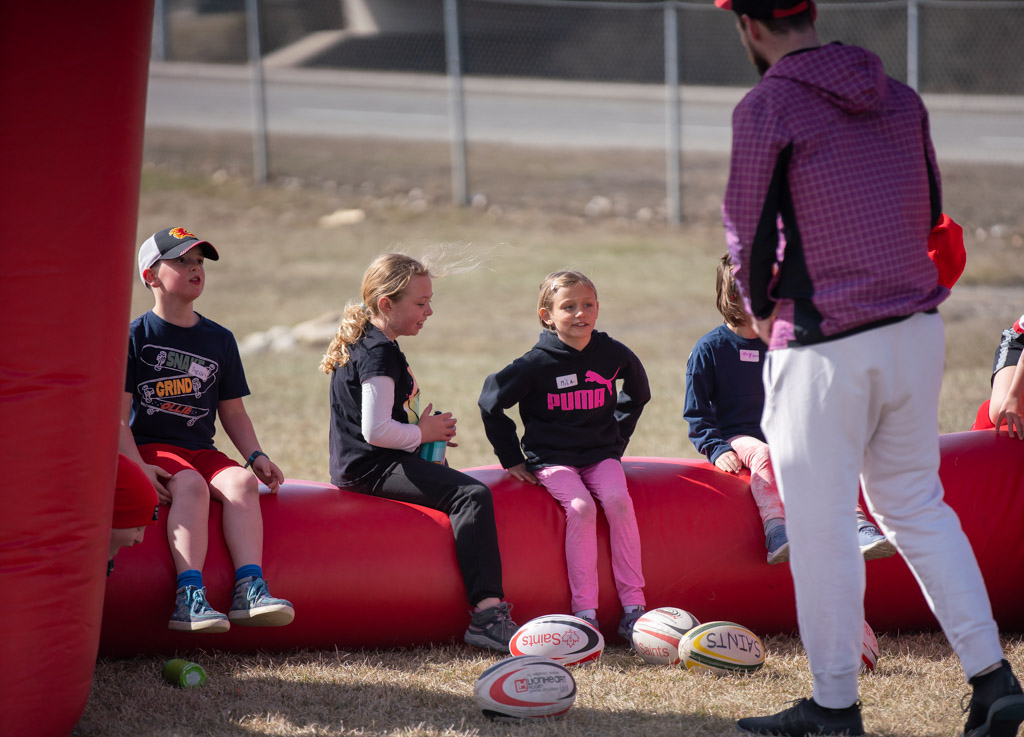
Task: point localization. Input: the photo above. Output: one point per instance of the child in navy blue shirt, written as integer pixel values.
(183, 372)
(724, 401)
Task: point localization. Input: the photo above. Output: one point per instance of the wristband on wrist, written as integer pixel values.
(255, 454)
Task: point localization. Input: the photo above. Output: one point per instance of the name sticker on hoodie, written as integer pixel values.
(568, 380)
(751, 356)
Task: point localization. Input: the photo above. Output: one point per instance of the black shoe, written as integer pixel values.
(997, 704)
(804, 718)
(491, 628)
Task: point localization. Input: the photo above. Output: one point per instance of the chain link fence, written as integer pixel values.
(576, 56)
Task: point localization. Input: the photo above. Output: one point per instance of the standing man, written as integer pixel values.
(832, 192)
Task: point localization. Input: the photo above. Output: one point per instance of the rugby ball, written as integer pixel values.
(525, 687)
(721, 648)
(561, 637)
(656, 634)
(869, 650)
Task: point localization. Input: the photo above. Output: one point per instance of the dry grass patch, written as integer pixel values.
(427, 692)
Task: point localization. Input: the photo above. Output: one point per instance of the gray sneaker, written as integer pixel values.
(491, 628)
(253, 606)
(626, 624)
(873, 544)
(192, 613)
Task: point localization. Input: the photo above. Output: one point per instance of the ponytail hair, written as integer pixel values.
(729, 302)
(388, 276)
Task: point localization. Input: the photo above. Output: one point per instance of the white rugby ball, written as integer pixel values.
(656, 634)
(721, 648)
(525, 687)
(563, 638)
(869, 650)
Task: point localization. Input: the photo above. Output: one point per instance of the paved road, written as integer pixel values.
(536, 113)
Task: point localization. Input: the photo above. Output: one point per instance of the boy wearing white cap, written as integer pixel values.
(183, 372)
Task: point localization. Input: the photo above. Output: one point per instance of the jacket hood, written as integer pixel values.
(550, 343)
(849, 77)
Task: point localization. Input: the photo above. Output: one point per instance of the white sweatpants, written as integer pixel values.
(867, 406)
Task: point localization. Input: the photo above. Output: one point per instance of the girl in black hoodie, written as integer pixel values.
(576, 428)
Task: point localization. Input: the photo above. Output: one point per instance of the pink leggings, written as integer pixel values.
(576, 489)
(754, 455)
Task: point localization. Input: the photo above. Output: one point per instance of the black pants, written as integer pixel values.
(468, 504)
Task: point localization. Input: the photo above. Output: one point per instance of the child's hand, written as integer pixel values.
(268, 472)
(157, 476)
(729, 462)
(1012, 415)
(436, 427)
(521, 473)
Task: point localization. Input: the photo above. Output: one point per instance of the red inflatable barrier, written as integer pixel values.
(354, 566)
(74, 91)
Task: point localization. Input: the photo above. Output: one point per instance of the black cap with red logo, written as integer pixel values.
(768, 9)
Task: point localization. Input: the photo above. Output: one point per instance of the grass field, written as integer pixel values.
(656, 285)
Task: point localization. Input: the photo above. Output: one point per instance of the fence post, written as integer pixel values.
(159, 49)
(912, 38)
(673, 124)
(456, 103)
(259, 102)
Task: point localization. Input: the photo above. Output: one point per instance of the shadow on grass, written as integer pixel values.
(426, 691)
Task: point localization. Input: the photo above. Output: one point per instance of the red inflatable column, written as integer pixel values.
(73, 84)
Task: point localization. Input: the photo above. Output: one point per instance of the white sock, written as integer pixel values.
(586, 614)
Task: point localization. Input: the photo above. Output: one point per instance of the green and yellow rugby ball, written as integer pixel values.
(722, 648)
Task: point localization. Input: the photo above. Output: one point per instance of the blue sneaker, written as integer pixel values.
(192, 613)
(777, 543)
(253, 606)
(873, 543)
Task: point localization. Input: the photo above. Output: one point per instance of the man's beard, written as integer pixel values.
(759, 62)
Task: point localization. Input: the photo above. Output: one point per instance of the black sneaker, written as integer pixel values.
(804, 718)
(997, 704)
(491, 628)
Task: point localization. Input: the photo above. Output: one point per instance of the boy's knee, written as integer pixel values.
(237, 484)
(187, 483)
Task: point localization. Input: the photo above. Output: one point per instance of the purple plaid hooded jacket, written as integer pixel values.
(833, 189)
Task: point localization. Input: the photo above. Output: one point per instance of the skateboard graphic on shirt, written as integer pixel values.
(184, 375)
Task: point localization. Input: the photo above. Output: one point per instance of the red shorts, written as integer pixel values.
(171, 458)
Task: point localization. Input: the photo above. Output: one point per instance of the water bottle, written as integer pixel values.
(184, 674)
(433, 452)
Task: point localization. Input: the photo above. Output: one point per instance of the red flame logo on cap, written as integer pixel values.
(180, 233)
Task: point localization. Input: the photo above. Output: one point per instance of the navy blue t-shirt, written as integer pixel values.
(724, 390)
(177, 376)
(351, 457)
